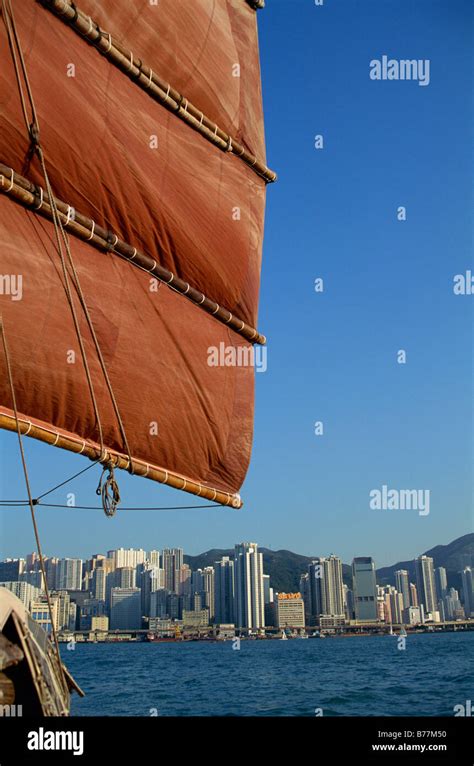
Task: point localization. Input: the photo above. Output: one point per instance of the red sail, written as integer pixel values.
(142, 172)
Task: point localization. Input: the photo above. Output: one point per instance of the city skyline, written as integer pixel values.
(133, 589)
(388, 284)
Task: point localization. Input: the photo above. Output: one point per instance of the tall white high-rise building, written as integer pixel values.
(402, 584)
(224, 591)
(249, 596)
(425, 583)
(326, 591)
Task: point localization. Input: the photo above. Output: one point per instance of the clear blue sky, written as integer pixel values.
(332, 356)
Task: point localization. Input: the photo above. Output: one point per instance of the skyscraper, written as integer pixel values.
(468, 591)
(441, 583)
(125, 577)
(125, 609)
(402, 584)
(224, 591)
(425, 583)
(365, 589)
(69, 574)
(173, 560)
(326, 588)
(249, 598)
(203, 582)
(154, 558)
(151, 580)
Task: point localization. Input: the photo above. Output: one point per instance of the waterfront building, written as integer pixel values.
(224, 590)
(348, 596)
(396, 606)
(413, 595)
(441, 582)
(88, 610)
(125, 609)
(100, 623)
(468, 591)
(249, 598)
(425, 583)
(402, 584)
(326, 588)
(289, 610)
(196, 619)
(452, 606)
(412, 615)
(365, 589)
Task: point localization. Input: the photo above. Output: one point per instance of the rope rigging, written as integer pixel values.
(108, 490)
(31, 504)
(62, 244)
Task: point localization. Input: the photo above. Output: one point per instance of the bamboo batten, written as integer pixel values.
(149, 81)
(139, 468)
(36, 198)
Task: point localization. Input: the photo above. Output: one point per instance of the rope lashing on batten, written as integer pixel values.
(33, 130)
(33, 196)
(148, 80)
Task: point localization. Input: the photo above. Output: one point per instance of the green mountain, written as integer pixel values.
(454, 557)
(286, 567)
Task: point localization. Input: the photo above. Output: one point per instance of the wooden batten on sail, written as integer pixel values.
(36, 198)
(160, 90)
(138, 467)
(108, 407)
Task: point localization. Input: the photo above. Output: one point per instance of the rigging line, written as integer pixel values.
(34, 138)
(31, 502)
(34, 135)
(66, 481)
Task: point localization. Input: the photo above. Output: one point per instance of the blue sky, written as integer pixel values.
(332, 356)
